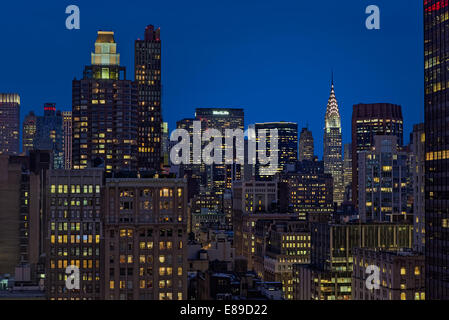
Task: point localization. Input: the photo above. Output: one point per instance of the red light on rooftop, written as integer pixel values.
(436, 6)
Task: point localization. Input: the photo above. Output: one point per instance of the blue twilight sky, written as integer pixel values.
(273, 58)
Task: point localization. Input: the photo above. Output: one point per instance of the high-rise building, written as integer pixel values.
(74, 233)
(347, 172)
(195, 173)
(221, 176)
(28, 132)
(384, 182)
(50, 136)
(287, 149)
(369, 120)
(67, 132)
(306, 145)
(9, 123)
(104, 111)
(332, 156)
(145, 239)
(437, 149)
(418, 145)
(148, 77)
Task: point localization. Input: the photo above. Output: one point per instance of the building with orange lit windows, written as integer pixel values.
(104, 112)
(147, 70)
(74, 233)
(145, 239)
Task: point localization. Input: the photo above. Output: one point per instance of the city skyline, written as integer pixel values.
(301, 79)
(146, 186)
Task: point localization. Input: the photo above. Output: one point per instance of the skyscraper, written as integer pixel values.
(347, 172)
(49, 134)
(287, 146)
(306, 146)
(369, 120)
(104, 111)
(148, 78)
(29, 132)
(9, 123)
(437, 149)
(333, 163)
(384, 182)
(418, 146)
(220, 176)
(67, 131)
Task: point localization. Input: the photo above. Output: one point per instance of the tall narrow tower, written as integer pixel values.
(148, 78)
(333, 163)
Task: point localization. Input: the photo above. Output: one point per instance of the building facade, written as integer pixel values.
(369, 120)
(145, 239)
(74, 233)
(384, 188)
(28, 132)
(347, 172)
(418, 175)
(67, 133)
(105, 113)
(402, 275)
(287, 146)
(9, 123)
(288, 243)
(437, 149)
(148, 77)
(329, 275)
(50, 135)
(306, 145)
(332, 156)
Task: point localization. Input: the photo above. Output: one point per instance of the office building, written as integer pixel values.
(105, 113)
(148, 77)
(347, 172)
(145, 239)
(28, 132)
(310, 195)
(369, 120)
(67, 133)
(220, 176)
(306, 145)
(50, 135)
(437, 150)
(9, 123)
(418, 177)
(329, 275)
(332, 156)
(384, 187)
(288, 244)
(287, 146)
(74, 233)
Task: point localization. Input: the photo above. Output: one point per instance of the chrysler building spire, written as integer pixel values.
(333, 162)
